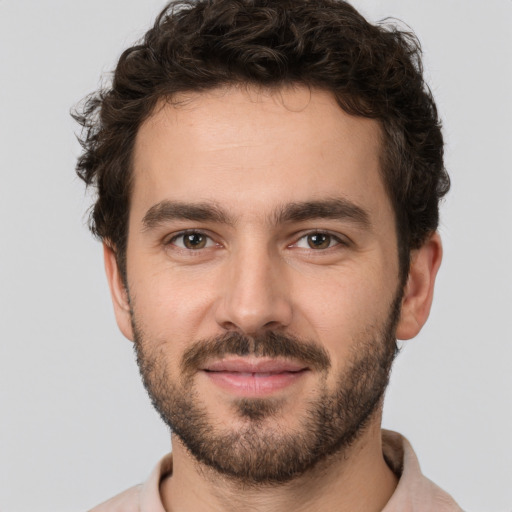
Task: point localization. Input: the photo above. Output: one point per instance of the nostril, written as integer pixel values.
(230, 327)
(272, 325)
(252, 305)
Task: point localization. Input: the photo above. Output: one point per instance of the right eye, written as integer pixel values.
(191, 240)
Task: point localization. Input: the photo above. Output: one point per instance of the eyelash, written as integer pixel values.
(210, 242)
(336, 238)
(183, 234)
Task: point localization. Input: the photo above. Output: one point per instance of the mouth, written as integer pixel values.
(254, 377)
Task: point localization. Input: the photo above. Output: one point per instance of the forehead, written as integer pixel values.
(248, 147)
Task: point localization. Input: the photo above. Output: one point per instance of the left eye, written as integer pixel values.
(192, 240)
(317, 241)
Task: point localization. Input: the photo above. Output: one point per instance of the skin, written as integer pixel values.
(251, 153)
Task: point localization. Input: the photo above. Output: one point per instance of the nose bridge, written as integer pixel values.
(254, 296)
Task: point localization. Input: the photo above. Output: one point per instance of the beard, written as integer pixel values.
(261, 451)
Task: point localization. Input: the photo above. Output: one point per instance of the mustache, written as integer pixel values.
(269, 344)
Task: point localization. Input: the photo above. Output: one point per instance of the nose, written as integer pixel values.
(254, 295)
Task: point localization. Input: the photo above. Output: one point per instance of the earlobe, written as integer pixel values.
(118, 292)
(419, 289)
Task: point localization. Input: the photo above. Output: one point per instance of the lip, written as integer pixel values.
(254, 365)
(254, 377)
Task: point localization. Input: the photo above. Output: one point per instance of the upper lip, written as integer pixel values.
(254, 365)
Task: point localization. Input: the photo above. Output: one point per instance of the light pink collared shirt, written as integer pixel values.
(414, 493)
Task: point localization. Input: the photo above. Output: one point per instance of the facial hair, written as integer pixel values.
(262, 451)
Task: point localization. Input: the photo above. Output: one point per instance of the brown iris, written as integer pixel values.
(319, 241)
(194, 240)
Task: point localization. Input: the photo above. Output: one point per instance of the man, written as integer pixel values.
(268, 176)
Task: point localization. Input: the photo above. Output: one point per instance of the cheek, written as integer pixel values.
(343, 308)
(170, 305)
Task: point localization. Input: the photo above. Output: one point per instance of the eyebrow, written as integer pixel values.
(165, 211)
(337, 209)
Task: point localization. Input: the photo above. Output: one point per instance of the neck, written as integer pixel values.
(356, 479)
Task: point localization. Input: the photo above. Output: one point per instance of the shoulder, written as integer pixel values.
(141, 498)
(415, 492)
(127, 501)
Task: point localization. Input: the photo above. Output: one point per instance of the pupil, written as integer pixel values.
(193, 240)
(319, 240)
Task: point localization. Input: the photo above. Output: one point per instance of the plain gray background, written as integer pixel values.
(75, 424)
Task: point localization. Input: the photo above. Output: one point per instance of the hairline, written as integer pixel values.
(162, 99)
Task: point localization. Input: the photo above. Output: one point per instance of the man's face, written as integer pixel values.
(262, 272)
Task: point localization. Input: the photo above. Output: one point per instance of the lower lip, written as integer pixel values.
(254, 384)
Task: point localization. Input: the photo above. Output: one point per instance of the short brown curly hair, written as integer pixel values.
(374, 71)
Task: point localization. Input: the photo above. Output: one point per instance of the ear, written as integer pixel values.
(118, 292)
(419, 289)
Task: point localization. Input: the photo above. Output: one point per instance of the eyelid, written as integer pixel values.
(339, 238)
(171, 238)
